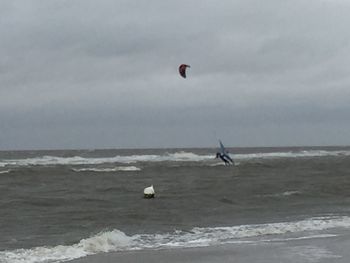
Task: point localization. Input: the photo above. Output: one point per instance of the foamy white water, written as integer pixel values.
(104, 170)
(300, 154)
(199, 237)
(284, 194)
(175, 157)
(77, 160)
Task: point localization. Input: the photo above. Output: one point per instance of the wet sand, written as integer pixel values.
(323, 250)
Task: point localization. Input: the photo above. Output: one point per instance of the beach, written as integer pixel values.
(319, 249)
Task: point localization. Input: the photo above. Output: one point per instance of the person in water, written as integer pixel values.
(225, 158)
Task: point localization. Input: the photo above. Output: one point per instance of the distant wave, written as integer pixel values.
(114, 169)
(77, 160)
(284, 194)
(174, 157)
(288, 193)
(198, 237)
(5, 171)
(223, 164)
(291, 154)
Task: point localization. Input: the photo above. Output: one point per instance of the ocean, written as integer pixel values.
(64, 205)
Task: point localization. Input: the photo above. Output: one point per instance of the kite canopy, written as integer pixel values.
(182, 70)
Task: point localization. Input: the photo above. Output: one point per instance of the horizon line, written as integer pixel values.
(164, 148)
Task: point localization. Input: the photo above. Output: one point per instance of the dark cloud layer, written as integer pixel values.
(82, 74)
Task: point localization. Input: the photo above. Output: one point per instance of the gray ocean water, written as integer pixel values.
(61, 205)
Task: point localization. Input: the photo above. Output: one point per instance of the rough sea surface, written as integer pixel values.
(63, 205)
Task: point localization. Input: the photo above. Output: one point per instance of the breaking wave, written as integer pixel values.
(291, 154)
(284, 194)
(77, 160)
(174, 157)
(198, 237)
(106, 170)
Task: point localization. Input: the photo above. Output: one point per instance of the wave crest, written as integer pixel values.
(107, 170)
(199, 237)
(173, 157)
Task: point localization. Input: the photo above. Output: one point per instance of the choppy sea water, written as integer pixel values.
(60, 205)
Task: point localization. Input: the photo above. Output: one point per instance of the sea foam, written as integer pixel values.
(173, 157)
(198, 237)
(106, 170)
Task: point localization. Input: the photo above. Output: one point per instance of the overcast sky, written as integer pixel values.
(104, 74)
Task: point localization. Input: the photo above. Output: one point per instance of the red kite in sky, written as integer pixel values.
(182, 70)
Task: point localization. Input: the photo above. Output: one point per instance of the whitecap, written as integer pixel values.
(284, 194)
(198, 237)
(173, 157)
(106, 170)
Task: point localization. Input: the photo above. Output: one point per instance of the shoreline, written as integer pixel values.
(333, 248)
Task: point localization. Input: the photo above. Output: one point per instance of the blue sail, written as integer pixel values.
(222, 147)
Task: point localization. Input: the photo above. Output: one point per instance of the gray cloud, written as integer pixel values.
(86, 74)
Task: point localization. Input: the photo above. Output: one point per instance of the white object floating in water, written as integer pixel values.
(148, 192)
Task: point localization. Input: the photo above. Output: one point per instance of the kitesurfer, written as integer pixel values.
(223, 155)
